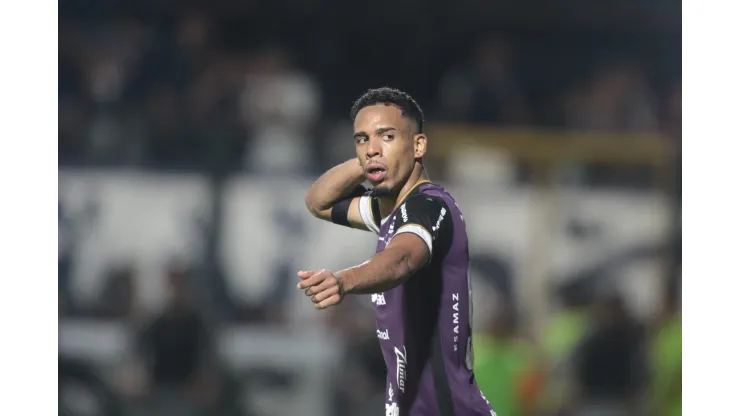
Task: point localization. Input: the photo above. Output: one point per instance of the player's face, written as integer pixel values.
(387, 146)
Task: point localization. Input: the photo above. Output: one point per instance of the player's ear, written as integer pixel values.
(420, 145)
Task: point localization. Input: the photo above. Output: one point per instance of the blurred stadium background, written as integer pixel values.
(189, 131)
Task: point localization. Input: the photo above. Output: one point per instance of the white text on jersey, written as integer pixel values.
(455, 317)
(378, 299)
(401, 368)
(439, 220)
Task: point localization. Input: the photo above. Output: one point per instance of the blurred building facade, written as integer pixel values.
(189, 131)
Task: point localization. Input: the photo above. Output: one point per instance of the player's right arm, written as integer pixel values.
(339, 197)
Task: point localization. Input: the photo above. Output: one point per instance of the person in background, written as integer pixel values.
(64, 260)
(175, 349)
(279, 104)
(609, 365)
(506, 366)
(361, 383)
(118, 297)
(487, 91)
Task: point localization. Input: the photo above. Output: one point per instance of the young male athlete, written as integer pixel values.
(419, 276)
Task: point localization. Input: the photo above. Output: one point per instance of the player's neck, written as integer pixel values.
(388, 204)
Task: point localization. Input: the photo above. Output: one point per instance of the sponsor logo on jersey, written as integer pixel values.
(391, 409)
(455, 318)
(390, 392)
(456, 330)
(404, 215)
(439, 220)
(401, 368)
(378, 299)
(383, 334)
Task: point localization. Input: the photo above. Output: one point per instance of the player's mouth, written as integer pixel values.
(375, 172)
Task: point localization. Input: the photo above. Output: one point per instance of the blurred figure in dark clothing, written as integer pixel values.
(609, 366)
(170, 140)
(74, 106)
(616, 98)
(72, 129)
(488, 93)
(176, 348)
(64, 260)
(118, 297)
(360, 385)
(175, 57)
(186, 94)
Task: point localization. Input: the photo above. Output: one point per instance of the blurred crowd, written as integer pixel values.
(204, 92)
(199, 91)
(592, 357)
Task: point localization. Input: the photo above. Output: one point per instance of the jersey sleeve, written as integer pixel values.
(425, 216)
(370, 212)
(367, 205)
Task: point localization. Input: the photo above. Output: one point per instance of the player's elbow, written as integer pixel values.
(312, 205)
(402, 270)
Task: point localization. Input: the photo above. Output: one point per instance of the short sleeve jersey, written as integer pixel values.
(423, 325)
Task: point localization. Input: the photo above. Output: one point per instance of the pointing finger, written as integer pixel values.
(313, 280)
(306, 274)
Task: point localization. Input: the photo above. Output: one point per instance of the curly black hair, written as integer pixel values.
(390, 96)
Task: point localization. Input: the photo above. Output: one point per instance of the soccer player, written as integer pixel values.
(418, 278)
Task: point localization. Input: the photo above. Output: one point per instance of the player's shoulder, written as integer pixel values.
(423, 202)
(437, 198)
(432, 194)
(426, 205)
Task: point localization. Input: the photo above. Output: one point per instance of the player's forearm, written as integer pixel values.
(385, 271)
(334, 185)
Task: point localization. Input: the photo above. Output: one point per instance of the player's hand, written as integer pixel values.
(322, 286)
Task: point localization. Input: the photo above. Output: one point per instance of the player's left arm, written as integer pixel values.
(419, 231)
(406, 254)
(421, 224)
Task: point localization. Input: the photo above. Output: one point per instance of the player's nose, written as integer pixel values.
(373, 148)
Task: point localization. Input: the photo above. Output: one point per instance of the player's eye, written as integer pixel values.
(388, 136)
(361, 140)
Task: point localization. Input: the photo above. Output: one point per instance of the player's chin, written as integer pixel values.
(382, 189)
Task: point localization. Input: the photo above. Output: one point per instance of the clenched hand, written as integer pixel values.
(322, 286)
